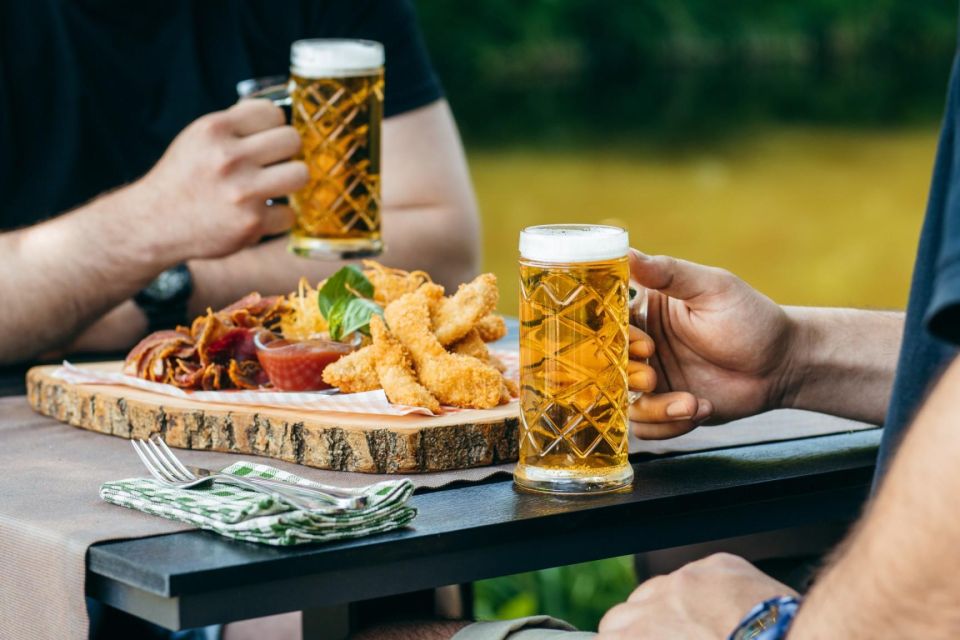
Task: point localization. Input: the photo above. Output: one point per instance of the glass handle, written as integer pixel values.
(637, 309)
(278, 94)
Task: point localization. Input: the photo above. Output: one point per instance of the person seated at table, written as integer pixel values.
(124, 156)
(720, 350)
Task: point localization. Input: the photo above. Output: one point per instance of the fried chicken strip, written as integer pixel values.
(454, 317)
(396, 371)
(471, 345)
(457, 380)
(355, 372)
(491, 327)
(508, 390)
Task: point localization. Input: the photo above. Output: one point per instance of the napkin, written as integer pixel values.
(244, 514)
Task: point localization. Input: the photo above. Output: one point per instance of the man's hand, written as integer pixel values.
(704, 600)
(718, 349)
(206, 197)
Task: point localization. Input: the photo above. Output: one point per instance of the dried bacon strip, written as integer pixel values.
(187, 375)
(234, 344)
(212, 375)
(132, 364)
(247, 374)
(217, 350)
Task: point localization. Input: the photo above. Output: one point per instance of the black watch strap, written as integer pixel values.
(164, 300)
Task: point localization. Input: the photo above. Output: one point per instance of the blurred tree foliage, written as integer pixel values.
(568, 70)
(580, 594)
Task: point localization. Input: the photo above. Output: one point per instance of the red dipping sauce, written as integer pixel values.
(297, 365)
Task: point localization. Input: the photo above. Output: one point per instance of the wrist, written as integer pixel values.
(840, 361)
(141, 209)
(769, 620)
(804, 342)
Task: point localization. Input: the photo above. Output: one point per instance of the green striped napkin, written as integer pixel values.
(242, 514)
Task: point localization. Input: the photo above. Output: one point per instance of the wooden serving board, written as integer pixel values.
(326, 440)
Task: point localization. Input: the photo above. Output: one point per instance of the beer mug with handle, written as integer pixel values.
(574, 292)
(335, 96)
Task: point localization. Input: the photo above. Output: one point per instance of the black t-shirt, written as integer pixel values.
(93, 91)
(932, 331)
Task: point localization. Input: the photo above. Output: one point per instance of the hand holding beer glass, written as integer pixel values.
(574, 293)
(335, 93)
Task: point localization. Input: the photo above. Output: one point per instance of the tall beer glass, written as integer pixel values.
(573, 359)
(336, 91)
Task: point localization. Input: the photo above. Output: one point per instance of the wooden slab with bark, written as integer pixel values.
(325, 440)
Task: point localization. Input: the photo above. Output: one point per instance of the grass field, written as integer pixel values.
(808, 216)
(815, 217)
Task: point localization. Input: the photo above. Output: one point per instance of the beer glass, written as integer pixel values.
(573, 359)
(335, 95)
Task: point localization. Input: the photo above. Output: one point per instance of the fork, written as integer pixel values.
(316, 488)
(165, 467)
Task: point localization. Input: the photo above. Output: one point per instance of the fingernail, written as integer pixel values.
(678, 410)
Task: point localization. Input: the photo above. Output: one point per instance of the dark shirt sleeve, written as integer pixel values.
(943, 315)
(410, 79)
(943, 312)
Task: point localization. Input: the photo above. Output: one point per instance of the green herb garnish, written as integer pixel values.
(346, 302)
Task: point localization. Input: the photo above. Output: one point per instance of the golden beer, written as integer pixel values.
(573, 359)
(336, 92)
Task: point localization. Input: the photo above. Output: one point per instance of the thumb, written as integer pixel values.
(675, 278)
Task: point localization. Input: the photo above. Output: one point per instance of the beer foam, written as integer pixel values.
(573, 243)
(330, 58)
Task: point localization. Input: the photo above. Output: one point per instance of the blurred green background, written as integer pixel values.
(790, 141)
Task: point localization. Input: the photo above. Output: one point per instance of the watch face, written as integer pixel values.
(168, 284)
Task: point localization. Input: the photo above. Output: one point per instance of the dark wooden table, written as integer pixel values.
(474, 532)
(469, 533)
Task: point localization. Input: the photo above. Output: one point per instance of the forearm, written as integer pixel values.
(897, 575)
(429, 222)
(842, 361)
(61, 275)
(435, 238)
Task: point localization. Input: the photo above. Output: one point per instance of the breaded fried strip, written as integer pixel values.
(354, 373)
(506, 392)
(396, 371)
(471, 345)
(453, 317)
(456, 380)
(491, 327)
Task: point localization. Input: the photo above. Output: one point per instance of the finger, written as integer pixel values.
(250, 116)
(278, 179)
(642, 378)
(646, 589)
(675, 278)
(664, 407)
(276, 219)
(641, 345)
(661, 430)
(635, 365)
(270, 146)
(619, 617)
(667, 430)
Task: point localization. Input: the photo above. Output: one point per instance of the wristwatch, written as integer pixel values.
(164, 301)
(769, 620)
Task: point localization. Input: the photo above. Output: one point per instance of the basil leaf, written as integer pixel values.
(345, 284)
(335, 317)
(357, 314)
